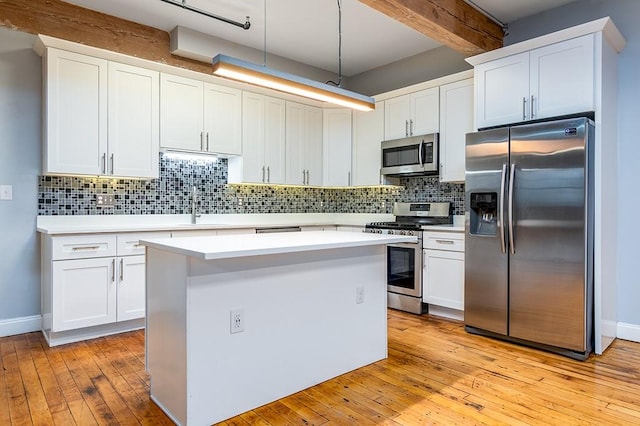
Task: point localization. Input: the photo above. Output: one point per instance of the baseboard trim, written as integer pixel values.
(628, 332)
(13, 326)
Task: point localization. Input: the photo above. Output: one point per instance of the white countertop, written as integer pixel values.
(228, 246)
(86, 224)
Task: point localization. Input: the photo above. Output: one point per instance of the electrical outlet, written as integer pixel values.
(6, 192)
(359, 295)
(237, 320)
(105, 200)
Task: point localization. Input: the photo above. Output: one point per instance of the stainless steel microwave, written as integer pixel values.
(412, 156)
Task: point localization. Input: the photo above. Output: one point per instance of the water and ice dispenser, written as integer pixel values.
(484, 213)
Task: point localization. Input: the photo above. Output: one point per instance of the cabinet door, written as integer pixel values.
(368, 132)
(396, 117)
(131, 287)
(443, 278)
(336, 146)
(222, 119)
(76, 113)
(181, 113)
(425, 116)
(562, 78)
(295, 144)
(274, 140)
(313, 145)
(84, 293)
(502, 91)
(252, 162)
(456, 120)
(134, 114)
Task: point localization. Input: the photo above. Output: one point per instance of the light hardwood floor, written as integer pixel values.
(436, 373)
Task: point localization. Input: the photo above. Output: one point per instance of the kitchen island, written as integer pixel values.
(237, 321)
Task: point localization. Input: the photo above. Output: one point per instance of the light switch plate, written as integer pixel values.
(6, 192)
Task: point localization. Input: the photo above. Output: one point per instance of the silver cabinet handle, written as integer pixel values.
(85, 248)
(445, 241)
(104, 163)
(207, 141)
(410, 127)
(113, 270)
(304, 177)
(121, 269)
(111, 163)
(503, 243)
(262, 174)
(268, 174)
(533, 114)
(349, 178)
(306, 172)
(406, 127)
(524, 108)
(201, 141)
(512, 176)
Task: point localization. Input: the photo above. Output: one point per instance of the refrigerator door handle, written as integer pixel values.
(503, 243)
(512, 175)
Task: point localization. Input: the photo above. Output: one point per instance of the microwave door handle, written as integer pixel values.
(420, 156)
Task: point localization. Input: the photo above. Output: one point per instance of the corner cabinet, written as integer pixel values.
(336, 147)
(101, 117)
(200, 117)
(263, 141)
(92, 285)
(304, 144)
(549, 81)
(413, 114)
(456, 120)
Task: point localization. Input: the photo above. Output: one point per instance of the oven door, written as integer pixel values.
(404, 269)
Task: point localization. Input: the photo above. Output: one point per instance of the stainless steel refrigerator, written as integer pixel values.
(529, 235)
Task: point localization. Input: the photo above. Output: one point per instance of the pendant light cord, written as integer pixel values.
(339, 82)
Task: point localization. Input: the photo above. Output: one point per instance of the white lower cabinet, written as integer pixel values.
(443, 273)
(92, 285)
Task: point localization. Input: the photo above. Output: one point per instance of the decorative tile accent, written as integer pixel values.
(171, 194)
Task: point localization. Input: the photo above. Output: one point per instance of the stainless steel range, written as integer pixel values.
(404, 260)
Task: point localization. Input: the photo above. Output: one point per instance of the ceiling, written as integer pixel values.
(306, 31)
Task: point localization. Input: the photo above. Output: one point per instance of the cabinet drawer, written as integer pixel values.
(83, 246)
(451, 241)
(129, 244)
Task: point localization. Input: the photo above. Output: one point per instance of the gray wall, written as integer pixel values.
(625, 15)
(415, 69)
(20, 141)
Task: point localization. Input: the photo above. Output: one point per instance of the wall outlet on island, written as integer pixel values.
(237, 320)
(359, 295)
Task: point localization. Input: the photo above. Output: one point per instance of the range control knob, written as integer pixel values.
(379, 231)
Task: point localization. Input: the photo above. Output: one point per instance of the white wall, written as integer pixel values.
(20, 141)
(625, 15)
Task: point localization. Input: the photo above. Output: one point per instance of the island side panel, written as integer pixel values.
(302, 325)
(165, 335)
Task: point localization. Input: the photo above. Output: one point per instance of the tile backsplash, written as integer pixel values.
(171, 194)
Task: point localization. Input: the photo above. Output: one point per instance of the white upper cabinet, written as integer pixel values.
(101, 117)
(263, 141)
(336, 147)
(304, 144)
(368, 132)
(222, 119)
(549, 81)
(413, 114)
(75, 113)
(200, 117)
(456, 120)
(133, 121)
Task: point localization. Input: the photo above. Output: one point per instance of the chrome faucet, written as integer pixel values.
(194, 205)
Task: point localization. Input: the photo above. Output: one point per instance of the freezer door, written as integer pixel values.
(486, 273)
(548, 288)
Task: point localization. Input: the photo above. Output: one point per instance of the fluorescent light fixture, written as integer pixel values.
(260, 75)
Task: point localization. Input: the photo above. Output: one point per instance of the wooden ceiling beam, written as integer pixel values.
(453, 23)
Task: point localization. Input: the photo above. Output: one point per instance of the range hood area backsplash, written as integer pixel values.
(170, 194)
